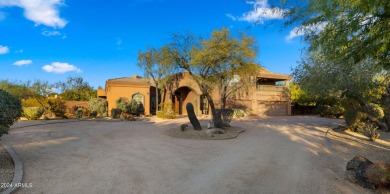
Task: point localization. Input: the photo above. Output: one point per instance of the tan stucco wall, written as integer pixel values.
(127, 90)
(253, 101)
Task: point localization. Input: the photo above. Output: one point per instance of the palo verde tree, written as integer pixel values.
(75, 88)
(347, 34)
(157, 66)
(212, 62)
(359, 87)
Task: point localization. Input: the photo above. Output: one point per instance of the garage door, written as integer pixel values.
(272, 108)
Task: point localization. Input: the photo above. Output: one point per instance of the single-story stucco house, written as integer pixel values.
(267, 95)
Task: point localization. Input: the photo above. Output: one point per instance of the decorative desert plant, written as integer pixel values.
(32, 113)
(167, 110)
(238, 113)
(30, 102)
(10, 111)
(116, 113)
(192, 117)
(93, 114)
(160, 114)
(79, 113)
(57, 106)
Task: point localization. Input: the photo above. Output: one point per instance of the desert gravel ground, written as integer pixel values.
(6, 169)
(273, 155)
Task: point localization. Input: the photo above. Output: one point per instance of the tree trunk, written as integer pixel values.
(216, 116)
(223, 97)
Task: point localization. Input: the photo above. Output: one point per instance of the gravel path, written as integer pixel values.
(273, 155)
(6, 169)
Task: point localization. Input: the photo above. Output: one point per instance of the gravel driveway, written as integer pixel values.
(273, 155)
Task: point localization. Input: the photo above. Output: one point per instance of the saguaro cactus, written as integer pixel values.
(192, 117)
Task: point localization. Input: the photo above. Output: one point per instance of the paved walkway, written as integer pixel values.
(273, 155)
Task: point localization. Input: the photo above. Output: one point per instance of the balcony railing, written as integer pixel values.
(271, 88)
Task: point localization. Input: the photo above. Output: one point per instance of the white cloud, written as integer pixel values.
(22, 62)
(260, 13)
(41, 12)
(234, 18)
(4, 50)
(58, 67)
(51, 33)
(301, 30)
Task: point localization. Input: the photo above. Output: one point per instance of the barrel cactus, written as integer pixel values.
(192, 117)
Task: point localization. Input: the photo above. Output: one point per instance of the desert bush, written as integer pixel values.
(99, 105)
(33, 113)
(167, 110)
(116, 113)
(160, 114)
(375, 110)
(123, 104)
(57, 106)
(67, 115)
(334, 111)
(238, 113)
(10, 111)
(93, 114)
(379, 174)
(79, 113)
(30, 102)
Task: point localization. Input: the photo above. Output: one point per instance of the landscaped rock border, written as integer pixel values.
(18, 170)
(230, 132)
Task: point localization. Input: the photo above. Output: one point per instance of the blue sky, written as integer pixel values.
(98, 40)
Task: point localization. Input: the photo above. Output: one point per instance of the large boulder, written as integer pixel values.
(356, 171)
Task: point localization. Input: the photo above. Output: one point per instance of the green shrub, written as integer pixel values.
(116, 113)
(99, 105)
(334, 111)
(30, 102)
(67, 115)
(375, 110)
(79, 113)
(134, 107)
(32, 113)
(238, 113)
(160, 114)
(167, 110)
(57, 106)
(93, 114)
(10, 111)
(126, 106)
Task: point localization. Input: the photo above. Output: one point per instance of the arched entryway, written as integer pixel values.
(182, 96)
(139, 98)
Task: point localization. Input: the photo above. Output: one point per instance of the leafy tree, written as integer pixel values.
(10, 111)
(157, 66)
(345, 31)
(40, 91)
(19, 90)
(357, 86)
(211, 63)
(99, 105)
(57, 106)
(75, 88)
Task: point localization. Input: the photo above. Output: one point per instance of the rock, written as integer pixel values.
(210, 125)
(184, 127)
(213, 131)
(356, 171)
